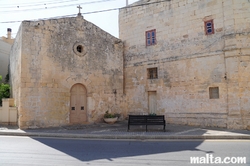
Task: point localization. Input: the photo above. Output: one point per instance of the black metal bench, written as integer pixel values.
(146, 120)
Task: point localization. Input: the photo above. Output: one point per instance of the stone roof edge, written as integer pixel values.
(76, 17)
(143, 2)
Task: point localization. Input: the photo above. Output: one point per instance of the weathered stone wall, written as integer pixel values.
(51, 65)
(237, 53)
(15, 67)
(188, 61)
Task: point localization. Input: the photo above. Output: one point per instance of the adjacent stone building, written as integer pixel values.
(5, 47)
(65, 71)
(188, 60)
(4, 58)
(9, 38)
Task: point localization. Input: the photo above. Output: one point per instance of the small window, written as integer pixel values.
(152, 73)
(214, 93)
(151, 37)
(209, 27)
(79, 48)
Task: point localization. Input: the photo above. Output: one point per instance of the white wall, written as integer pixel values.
(8, 113)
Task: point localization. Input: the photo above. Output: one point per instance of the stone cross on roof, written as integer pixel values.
(79, 7)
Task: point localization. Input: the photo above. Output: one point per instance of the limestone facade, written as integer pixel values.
(191, 65)
(50, 57)
(187, 75)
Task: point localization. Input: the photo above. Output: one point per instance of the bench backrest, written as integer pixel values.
(146, 119)
(137, 119)
(155, 119)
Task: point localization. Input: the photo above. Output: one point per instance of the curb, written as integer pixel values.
(105, 136)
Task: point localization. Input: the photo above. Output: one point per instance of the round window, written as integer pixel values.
(78, 49)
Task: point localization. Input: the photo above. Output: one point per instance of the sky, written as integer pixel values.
(12, 12)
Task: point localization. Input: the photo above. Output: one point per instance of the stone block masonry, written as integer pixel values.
(186, 59)
(189, 62)
(49, 57)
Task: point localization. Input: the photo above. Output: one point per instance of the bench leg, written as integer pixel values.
(164, 128)
(128, 127)
(146, 128)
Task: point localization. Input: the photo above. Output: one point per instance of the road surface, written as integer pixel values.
(54, 151)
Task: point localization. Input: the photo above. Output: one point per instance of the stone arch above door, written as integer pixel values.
(78, 104)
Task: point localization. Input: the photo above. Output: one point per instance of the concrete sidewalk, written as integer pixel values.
(119, 131)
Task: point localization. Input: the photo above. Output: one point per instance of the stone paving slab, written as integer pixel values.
(119, 131)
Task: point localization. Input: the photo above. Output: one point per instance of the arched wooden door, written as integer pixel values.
(78, 104)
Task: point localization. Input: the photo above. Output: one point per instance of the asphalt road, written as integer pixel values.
(52, 151)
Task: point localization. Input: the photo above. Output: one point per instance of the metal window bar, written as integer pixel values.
(153, 73)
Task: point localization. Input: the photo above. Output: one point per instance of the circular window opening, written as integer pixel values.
(79, 48)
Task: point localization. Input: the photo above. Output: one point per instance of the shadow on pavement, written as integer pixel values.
(89, 150)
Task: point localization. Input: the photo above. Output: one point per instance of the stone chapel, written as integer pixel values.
(186, 59)
(65, 71)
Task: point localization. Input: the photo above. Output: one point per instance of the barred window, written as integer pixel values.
(152, 73)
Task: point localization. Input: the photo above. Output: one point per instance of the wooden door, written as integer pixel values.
(78, 104)
(152, 101)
